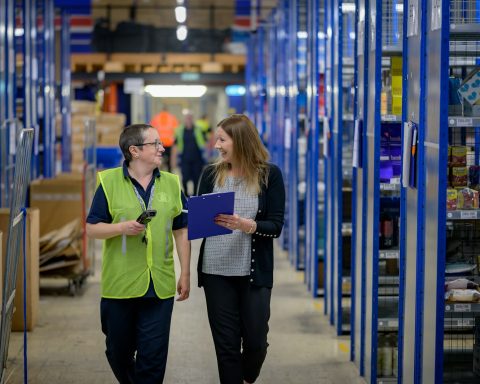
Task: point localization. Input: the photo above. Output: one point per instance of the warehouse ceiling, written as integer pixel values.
(203, 14)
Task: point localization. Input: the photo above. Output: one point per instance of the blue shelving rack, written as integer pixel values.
(376, 191)
(46, 83)
(314, 199)
(65, 93)
(8, 122)
(443, 348)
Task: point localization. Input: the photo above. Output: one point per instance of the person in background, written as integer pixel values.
(138, 277)
(236, 270)
(189, 147)
(166, 124)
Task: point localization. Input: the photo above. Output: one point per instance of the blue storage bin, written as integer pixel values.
(109, 157)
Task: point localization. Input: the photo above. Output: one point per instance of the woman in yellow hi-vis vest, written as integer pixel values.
(138, 277)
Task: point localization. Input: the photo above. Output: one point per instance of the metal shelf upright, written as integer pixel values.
(314, 199)
(65, 92)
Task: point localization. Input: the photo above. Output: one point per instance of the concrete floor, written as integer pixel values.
(67, 345)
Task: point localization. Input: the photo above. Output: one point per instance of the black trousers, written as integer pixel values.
(141, 326)
(238, 314)
(191, 171)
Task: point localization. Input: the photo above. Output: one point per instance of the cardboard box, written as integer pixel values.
(60, 200)
(33, 285)
(83, 107)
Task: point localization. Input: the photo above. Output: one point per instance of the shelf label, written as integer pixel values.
(464, 323)
(462, 308)
(464, 122)
(468, 215)
(391, 255)
(436, 14)
(412, 25)
(389, 117)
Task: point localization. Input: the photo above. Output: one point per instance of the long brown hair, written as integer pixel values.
(248, 151)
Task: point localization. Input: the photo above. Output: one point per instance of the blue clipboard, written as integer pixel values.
(202, 211)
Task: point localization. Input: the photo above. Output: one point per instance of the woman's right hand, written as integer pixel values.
(132, 228)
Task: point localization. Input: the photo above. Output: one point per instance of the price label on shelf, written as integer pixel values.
(391, 255)
(464, 323)
(468, 215)
(462, 308)
(389, 117)
(464, 122)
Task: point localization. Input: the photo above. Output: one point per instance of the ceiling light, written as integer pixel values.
(302, 34)
(180, 14)
(19, 32)
(176, 90)
(348, 7)
(235, 90)
(182, 32)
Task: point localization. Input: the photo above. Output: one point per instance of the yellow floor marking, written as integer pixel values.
(344, 347)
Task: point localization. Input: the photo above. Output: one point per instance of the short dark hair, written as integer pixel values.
(132, 135)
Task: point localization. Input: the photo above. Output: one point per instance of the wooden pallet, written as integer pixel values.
(157, 63)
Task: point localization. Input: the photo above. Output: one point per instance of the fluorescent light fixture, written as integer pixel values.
(352, 35)
(321, 35)
(180, 14)
(182, 32)
(176, 90)
(19, 32)
(348, 7)
(235, 90)
(302, 34)
(399, 7)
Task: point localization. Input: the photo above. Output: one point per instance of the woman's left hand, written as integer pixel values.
(231, 221)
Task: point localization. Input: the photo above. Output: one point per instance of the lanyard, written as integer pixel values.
(141, 201)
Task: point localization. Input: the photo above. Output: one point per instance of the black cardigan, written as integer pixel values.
(269, 218)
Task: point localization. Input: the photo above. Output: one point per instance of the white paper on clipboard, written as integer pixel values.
(407, 142)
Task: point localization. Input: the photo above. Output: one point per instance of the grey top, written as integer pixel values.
(229, 255)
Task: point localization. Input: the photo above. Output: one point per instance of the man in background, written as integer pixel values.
(166, 124)
(189, 146)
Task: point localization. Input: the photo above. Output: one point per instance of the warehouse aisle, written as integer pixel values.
(67, 345)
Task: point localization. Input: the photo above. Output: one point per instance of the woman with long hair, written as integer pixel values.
(236, 270)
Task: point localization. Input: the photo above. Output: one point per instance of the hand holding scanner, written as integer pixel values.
(146, 216)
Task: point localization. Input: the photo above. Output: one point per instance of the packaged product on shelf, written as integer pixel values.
(474, 177)
(452, 199)
(467, 199)
(469, 88)
(458, 156)
(460, 284)
(463, 295)
(458, 177)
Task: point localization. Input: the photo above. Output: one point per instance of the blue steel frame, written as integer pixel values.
(65, 87)
(47, 66)
(311, 213)
(34, 84)
(373, 138)
(337, 165)
(329, 110)
(353, 304)
(291, 9)
(403, 209)
(442, 186)
(420, 270)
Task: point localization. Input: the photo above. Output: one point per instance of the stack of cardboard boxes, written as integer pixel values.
(108, 128)
(32, 275)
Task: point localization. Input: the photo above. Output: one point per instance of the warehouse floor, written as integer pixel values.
(67, 345)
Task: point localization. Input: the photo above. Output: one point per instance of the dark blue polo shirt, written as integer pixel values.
(99, 212)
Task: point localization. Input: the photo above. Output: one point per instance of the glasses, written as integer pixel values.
(156, 143)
